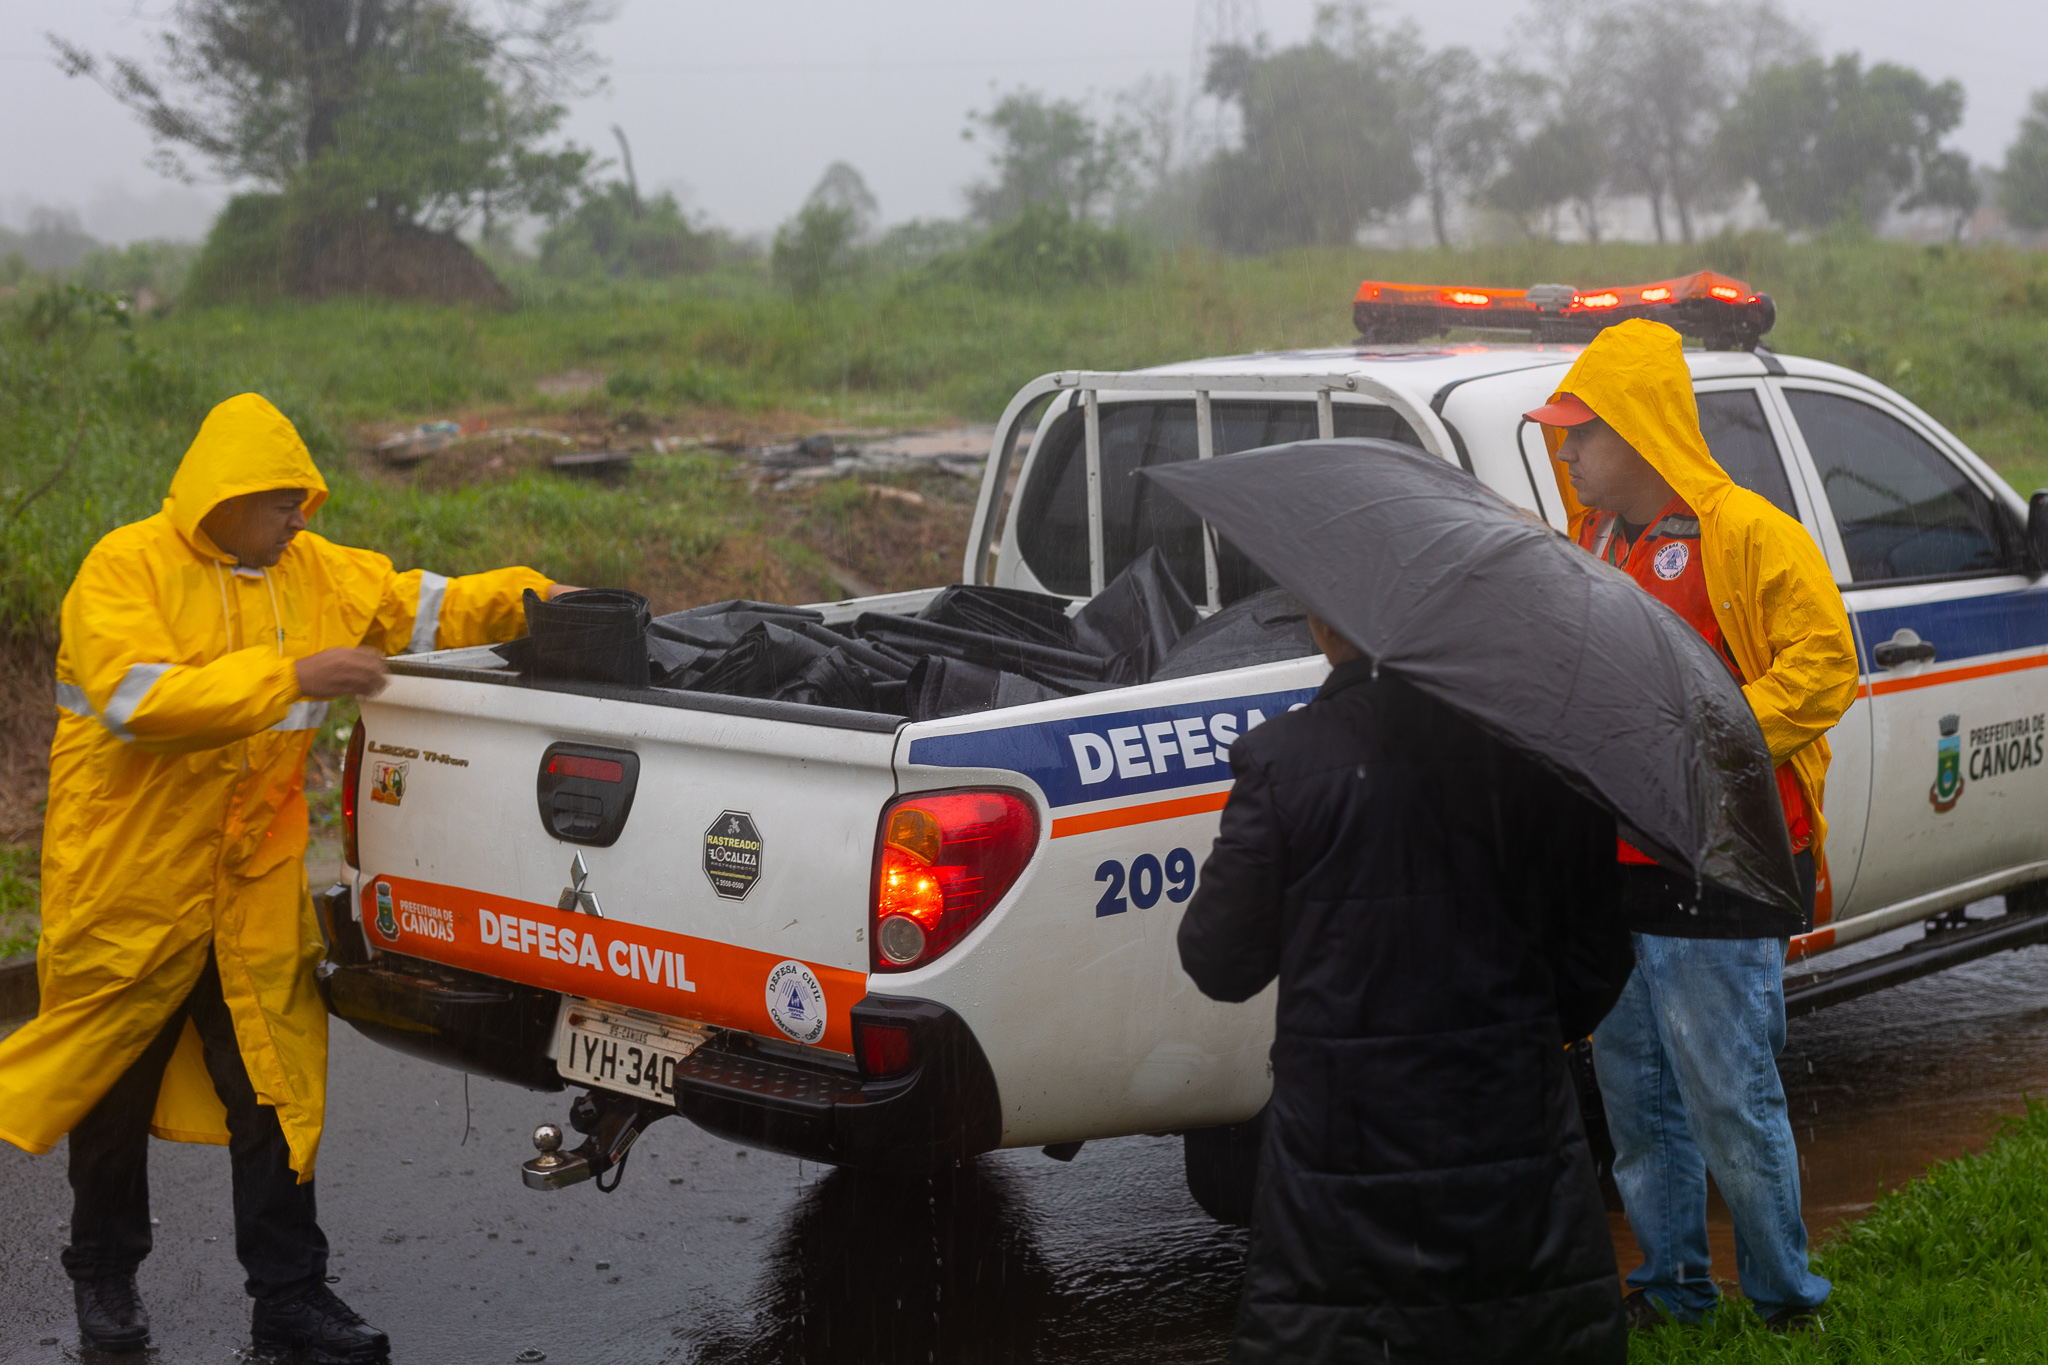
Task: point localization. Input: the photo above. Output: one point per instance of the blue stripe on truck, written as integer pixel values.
(1962, 627)
(1122, 753)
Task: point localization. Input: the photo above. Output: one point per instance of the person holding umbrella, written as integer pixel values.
(1687, 1060)
(1442, 917)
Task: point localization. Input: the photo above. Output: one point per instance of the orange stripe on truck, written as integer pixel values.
(1138, 815)
(608, 960)
(1949, 675)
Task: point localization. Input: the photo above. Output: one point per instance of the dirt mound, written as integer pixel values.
(262, 248)
(396, 260)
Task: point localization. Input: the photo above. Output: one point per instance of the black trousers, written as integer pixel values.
(277, 1238)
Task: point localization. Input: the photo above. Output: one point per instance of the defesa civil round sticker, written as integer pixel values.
(796, 1001)
(1670, 561)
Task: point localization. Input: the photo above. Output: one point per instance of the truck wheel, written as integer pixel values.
(1223, 1168)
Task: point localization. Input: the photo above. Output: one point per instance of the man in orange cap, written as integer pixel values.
(1687, 1059)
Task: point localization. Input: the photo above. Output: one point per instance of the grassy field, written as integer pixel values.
(1963, 333)
(1952, 1268)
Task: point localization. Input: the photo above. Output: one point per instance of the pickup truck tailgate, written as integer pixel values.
(734, 894)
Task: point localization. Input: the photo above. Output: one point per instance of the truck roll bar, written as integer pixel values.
(1090, 384)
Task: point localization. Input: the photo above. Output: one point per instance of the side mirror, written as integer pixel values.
(2037, 529)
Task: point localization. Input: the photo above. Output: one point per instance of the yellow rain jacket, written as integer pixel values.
(1772, 593)
(177, 816)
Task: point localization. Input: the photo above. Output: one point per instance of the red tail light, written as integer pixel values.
(351, 778)
(885, 1049)
(945, 859)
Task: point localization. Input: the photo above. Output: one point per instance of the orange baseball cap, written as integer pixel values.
(1565, 410)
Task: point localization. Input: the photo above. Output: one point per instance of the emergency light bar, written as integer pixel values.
(1726, 314)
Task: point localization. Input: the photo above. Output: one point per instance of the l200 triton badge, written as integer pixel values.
(732, 854)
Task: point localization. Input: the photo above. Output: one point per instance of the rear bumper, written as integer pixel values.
(942, 1107)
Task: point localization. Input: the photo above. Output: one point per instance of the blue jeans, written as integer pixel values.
(1688, 1069)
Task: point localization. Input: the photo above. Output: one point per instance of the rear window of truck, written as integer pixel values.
(1053, 516)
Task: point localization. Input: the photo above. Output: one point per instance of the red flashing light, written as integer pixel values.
(884, 1049)
(1720, 310)
(945, 860)
(595, 769)
(351, 779)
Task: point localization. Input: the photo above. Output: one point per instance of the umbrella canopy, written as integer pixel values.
(1471, 599)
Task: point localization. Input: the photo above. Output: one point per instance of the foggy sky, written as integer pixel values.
(743, 105)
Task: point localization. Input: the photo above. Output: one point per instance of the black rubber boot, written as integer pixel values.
(317, 1328)
(111, 1317)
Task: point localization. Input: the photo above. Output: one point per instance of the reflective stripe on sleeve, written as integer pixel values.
(304, 715)
(426, 622)
(135, 685)
(71, 697)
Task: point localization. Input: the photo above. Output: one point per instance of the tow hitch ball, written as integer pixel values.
(610, 1124)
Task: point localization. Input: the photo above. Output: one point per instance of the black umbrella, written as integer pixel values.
(1471, 599)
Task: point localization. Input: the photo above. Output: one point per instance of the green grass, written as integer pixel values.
(1964, 333)
(1951, 1268)
(20, 880)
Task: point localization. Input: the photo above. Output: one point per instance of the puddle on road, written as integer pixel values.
(997, 1260)
(1881, 1088)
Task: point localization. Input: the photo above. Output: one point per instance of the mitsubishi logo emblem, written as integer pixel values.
(576, 895)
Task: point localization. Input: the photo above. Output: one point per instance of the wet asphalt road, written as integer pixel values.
(712, 1254)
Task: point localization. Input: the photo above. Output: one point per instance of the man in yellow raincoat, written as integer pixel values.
(176, 964)
(1687, 1059)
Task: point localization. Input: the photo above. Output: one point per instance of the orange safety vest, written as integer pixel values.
(1665, 561)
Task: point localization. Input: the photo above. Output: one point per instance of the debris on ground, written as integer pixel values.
(569, 383)
(960, 451)
(784, 464)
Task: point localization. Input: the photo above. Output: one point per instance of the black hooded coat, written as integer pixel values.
(1443, 917)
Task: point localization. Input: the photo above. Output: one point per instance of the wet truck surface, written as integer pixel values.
(878, 941)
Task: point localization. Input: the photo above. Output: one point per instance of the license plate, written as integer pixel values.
(631, 1053)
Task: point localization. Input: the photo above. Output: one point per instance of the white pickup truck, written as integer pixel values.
(683, 902)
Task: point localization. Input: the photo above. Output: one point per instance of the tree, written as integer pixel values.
(1325, 149)
(1455, 121)
(843, 187)
(1676, 66)
(1563, 162)
(816, 247)
(617, 232)
(1044, 151)
(1831, 142)
(415, 113)
(2023, 185)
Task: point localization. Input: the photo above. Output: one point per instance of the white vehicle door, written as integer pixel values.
(1953, 635)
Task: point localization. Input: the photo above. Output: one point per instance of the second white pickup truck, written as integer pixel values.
(691, 903)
